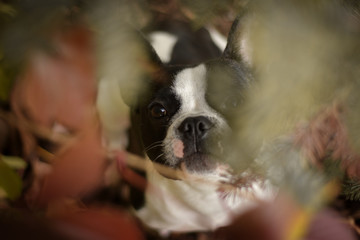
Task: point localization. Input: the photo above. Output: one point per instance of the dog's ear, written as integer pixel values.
(152, 56)
(150, 71)
(237, 47)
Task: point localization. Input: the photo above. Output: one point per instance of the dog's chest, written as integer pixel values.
(180, 206)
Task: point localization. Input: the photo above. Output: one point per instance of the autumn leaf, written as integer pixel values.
(99, 223)
(78, 168)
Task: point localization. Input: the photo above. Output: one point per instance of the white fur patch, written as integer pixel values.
(163, 43)
(190, 86)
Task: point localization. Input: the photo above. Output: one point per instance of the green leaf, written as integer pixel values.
(5, 85)
(7, 9)
(14, 162)
(10, 182)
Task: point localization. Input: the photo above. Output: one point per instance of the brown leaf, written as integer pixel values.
(77, 169)
(282, 219)
(328, 225)
(58, 87)
(61, 86)
(99, 223)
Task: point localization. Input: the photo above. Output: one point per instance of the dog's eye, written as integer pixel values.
(158, 111)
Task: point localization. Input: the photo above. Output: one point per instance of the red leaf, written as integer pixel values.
(78, 169)
(99, 223)
(60, 87)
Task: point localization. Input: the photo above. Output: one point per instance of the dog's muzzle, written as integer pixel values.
(192, 147)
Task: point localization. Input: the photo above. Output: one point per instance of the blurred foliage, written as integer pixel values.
(6, 13)
(25, 25)
(297, 50)
(288, 169)
(351, 189)
(306, 57)
(14, 162)
(205, 11)
(10, 181)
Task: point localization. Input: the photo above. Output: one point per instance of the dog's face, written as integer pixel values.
(185, 119)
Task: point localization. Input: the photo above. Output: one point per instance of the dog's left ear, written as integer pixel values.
(237, 47)
(151, 69)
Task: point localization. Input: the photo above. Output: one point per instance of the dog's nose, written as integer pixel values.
(196, 127)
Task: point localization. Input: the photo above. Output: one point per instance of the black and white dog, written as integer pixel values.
(184, 121)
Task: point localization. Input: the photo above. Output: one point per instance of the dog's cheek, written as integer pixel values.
(178, 148)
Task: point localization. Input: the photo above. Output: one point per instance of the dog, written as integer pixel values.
(184, 121)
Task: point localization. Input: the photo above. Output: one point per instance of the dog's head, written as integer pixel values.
(184, 118)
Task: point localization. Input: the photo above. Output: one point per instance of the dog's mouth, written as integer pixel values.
(195, 158)
(192, 166)
(198, 163)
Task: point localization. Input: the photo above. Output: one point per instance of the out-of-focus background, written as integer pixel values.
(63, 124)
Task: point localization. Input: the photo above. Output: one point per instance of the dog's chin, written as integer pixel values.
(198, 163)
(197, 166)
(192, 166)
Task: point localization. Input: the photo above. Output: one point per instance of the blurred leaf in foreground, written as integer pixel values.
(352, 190)
(102, 222)
(10, 182)
(14, 162)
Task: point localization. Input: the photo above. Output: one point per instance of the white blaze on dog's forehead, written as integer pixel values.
(163, 43)
(190, 87)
